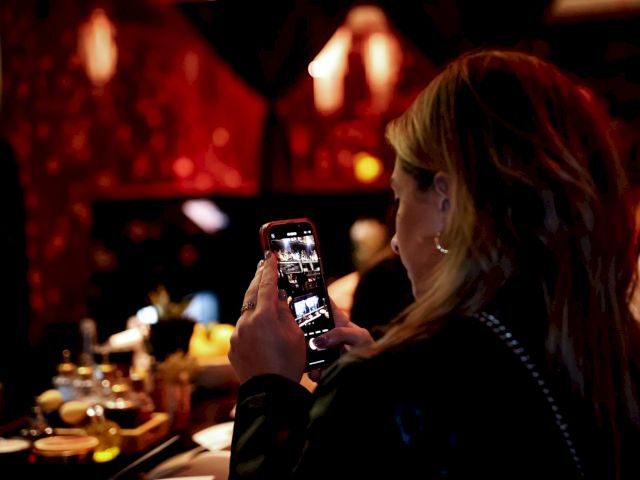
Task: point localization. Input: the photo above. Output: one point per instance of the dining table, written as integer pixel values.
(209, 407)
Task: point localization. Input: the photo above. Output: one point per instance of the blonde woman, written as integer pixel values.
(518, 358)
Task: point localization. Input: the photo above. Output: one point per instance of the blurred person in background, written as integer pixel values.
(379, 289)
(382, 292)
(369, 239)
(519, 357)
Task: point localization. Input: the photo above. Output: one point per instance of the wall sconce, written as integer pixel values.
(97, 48)
(366, 31)
(328, 70)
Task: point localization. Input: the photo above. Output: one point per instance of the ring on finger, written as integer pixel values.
(247, 306)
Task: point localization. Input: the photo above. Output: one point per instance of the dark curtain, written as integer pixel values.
(270, 44)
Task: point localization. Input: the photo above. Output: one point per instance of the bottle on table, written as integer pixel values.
(63, 381)
(106, 431)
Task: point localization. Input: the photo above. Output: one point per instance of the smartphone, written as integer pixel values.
(295, 245)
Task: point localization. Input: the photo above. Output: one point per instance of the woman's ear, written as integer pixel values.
(442, 187)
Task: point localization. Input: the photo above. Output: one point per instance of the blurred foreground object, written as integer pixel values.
(210, 345)
(210, 340)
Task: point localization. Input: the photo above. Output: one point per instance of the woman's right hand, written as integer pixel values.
(267, 338)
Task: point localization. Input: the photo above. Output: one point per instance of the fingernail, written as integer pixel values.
(267, 254)
(321, 341)
(260, 263)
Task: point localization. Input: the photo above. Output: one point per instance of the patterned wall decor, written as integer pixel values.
(174, 121)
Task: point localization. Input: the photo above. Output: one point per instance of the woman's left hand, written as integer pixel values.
(267, 338)
(345, 336)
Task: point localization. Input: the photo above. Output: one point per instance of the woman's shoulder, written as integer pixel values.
(462, 389)
(462, 347)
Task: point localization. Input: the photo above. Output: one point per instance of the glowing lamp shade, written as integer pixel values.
(328, 70)
(97, 48)
(367, 32)
(367, 168)
(382, 63)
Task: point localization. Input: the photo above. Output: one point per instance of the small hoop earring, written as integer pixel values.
(439, 247)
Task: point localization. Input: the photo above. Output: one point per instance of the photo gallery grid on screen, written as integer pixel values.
(300, 274)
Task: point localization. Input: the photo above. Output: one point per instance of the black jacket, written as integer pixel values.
(460, 405)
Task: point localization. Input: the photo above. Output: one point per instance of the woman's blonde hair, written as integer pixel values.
(538, 187)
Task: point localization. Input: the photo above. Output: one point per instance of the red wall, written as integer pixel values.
(174, 121)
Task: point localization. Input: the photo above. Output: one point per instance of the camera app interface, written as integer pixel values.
(299, 273)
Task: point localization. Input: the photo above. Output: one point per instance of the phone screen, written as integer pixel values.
(300, 274)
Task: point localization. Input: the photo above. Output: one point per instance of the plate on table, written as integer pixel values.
(201, 466)
(216, 437)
